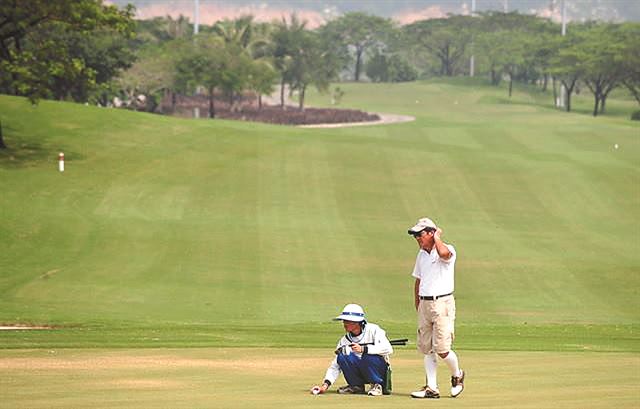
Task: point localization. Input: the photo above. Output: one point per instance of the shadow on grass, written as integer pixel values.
(21, 155)
(22, 151)
(25, 155)
(541, 100)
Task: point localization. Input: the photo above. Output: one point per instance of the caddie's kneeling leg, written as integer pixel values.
(349, 364)
(373, 368)
(359, 371)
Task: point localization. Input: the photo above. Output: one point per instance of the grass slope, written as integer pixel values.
(194, 233)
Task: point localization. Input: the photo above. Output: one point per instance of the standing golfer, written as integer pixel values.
(362, 355)
(436, 306)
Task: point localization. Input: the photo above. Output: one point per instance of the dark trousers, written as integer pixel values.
(367, 369)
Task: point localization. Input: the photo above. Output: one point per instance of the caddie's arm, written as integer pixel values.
(318, 389)
(416, 293)
(441, 248)
(333, 371)
(380, 346)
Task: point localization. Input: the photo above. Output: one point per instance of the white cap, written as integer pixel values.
(351, 312)
(422, 224)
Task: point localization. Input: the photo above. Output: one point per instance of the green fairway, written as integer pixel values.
(274, 378)
(175, 232)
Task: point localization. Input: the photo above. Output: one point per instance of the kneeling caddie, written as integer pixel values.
(362, 355)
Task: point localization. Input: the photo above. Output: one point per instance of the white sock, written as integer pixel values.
(431, 368)
(452, 362)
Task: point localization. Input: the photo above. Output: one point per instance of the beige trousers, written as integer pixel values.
(436, 321)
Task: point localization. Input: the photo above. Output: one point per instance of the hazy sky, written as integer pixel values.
(316, 12)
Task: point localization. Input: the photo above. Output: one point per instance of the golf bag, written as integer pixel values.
(387, 386)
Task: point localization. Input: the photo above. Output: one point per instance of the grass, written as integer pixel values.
(268, 378)
(186, 263)
(212, 231)
(477, 337)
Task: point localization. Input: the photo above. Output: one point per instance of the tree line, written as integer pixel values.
(88, 51)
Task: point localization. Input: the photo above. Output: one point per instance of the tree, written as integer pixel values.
(248, 43)
(567, 63)
(377, 68)
(488, 54)
(313, 62)
(32, 66)
(533, 33)
(179, 27)
(499, 21)
(234, 72)
(400, 70)
(203, 64)
(444, 38)
(544, 46)
(630, 33)
(602, 50)
(284, 47)
(358, 30)
(26, 69)
(393, 68)
(504, 51)
(75, 62)
(160, 30)
(261, 78)
(2, 144)
(154, 71)
(238, 31)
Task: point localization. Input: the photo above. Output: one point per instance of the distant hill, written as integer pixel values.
(404, 11)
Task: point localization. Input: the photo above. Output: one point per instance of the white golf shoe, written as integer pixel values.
(426, 393)
(376, 390)
(457, 384)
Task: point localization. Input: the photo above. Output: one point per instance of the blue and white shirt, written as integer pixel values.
(373, 335)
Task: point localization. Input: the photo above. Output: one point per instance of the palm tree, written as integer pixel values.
(284, 44)
(242, 32)
(179, 27)
(243, 37)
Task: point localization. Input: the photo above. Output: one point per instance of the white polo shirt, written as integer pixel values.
(435, 274)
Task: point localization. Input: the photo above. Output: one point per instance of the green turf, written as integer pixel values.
(487, 337)
(219, 233)
(268, 378)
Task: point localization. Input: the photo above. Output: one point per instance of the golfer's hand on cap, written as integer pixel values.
(437, 233)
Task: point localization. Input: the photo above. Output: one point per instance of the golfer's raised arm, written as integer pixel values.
(443, 251)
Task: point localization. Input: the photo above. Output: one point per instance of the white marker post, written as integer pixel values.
(61, 162)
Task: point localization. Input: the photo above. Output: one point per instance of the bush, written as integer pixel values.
(401, 71)
(635, 116)
(381, 68)
(377, 68)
